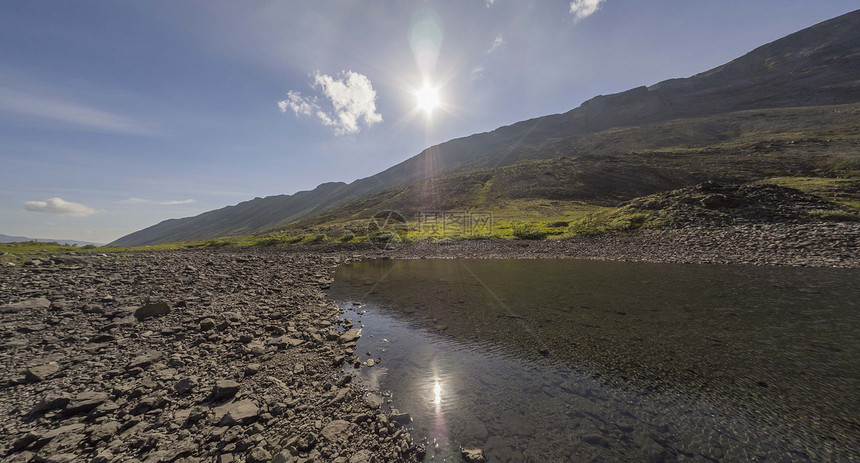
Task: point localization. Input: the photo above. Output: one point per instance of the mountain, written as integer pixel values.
(19, 239)
(811, 68)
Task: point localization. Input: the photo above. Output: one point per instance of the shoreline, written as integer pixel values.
(243, 360)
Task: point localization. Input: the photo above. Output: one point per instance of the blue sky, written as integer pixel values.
(117, 115)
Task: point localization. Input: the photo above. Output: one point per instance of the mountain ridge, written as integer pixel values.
(812, 67)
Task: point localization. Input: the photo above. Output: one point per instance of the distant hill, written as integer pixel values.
(19, 239)
(815, 67)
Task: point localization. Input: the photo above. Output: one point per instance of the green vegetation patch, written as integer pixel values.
(614, 220)
(841, 190)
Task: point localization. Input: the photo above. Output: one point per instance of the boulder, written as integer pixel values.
(152, 310)
(224, 390)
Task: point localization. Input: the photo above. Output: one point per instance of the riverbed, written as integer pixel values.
(553, 359)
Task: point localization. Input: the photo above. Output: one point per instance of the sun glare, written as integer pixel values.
(428, 98)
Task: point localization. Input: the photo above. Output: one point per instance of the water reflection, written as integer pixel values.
(694, 362)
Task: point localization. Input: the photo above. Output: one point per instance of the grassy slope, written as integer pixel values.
(564, 180)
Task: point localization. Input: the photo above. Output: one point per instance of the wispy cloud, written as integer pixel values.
(498, 42)
(490, 3)
(72, 113)
(477, 72)
(581, 9)
(160, 203)
(60, 206)
(349, 100)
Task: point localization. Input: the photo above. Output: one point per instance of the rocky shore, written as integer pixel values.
(236, 354)
(183, 356)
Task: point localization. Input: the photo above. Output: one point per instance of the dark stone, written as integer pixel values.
(224, 390)
(152, 310)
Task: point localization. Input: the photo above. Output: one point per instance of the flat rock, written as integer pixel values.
(29, 304)
(337, 429)
(51, 401)
(152, 310)
(84, 402)
(145, 360)
(241, 412)
(350, 336)
(42, 372)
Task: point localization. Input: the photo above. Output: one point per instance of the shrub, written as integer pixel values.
(218, 243)
(347, 238)
(318, 238)
(526, 231)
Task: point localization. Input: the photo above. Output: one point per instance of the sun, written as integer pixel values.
(428, 98)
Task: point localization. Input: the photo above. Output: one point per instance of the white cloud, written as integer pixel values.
(490, 3)
(349, 98)
(581, 9)
(161, 203)
(61, 207)
(477, 72)
(71, 112)
(496, 43)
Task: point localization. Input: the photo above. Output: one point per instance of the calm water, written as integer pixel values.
(565, 360)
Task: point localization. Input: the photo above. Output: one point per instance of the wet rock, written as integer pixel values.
(152, 310)
(42, 372)
(475, 431)
(350, 336)
(399, 417)
(472, 455)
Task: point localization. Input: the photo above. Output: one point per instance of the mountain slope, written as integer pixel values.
(813, 67)
(21, 239)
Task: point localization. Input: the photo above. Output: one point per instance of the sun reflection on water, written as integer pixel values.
(437, 393)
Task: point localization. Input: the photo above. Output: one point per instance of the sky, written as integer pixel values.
(115, 116)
